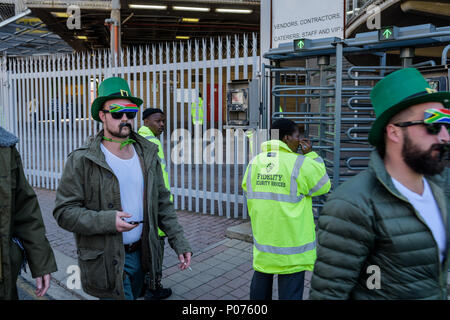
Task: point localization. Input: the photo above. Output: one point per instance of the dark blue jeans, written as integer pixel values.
(134, 276)
(290, 286)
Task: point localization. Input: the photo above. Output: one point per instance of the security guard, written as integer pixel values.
(279, 185)
(197, 111)
(154, 124)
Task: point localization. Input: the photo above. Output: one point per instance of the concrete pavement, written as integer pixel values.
(221, 267)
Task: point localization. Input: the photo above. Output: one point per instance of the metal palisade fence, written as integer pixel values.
(45, 101)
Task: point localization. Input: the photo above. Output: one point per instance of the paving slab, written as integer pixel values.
(221, 264)
(242, 232)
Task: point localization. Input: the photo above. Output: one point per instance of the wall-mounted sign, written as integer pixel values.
(306, 19)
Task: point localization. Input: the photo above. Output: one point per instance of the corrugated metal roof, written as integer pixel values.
(22, 34)
(106, 4)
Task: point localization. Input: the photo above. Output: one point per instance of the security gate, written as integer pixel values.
(45, 101)
(313, 85)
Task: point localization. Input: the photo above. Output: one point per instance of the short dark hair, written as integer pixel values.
(149, 111)
(285, 127)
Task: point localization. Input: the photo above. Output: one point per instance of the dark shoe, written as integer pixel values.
(142, 294)
(158, 294)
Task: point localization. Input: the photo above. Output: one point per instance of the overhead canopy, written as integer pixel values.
(143, 25)
(23, 34)
(399, 13)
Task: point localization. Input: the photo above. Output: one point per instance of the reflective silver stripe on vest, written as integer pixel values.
(151, 137)
(294, 175)
(274, 196)
(319, 184)
(319, 160)
(291, 198)
(284, 250)
(249, 178)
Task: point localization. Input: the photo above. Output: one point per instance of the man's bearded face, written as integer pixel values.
(427, 162)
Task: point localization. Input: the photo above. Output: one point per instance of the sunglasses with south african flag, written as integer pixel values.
(434, 120)
(117, 110)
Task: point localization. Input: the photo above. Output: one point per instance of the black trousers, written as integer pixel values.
(290, 286)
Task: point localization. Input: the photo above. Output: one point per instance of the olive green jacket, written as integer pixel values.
(87, 200)
(368, 225)
(20, 217)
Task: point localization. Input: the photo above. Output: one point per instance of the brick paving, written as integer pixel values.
(221, 267)
(59, 238)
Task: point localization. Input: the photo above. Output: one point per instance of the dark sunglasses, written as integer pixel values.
(432, 128)
(119, 115)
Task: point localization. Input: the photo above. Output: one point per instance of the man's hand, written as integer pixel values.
(42, 285)
(185, 260)
(305, 145)
(121, 225)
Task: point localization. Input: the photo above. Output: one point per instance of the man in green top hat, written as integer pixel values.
(384, 234)
(112, 196)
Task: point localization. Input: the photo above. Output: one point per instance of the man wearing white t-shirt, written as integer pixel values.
(112, 196)
(384, 234)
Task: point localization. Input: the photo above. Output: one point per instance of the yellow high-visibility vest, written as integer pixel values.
(249, 134)
(279, 185)
(197, 112)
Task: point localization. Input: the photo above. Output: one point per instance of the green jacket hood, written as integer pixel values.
(7, 139)
(377, 165)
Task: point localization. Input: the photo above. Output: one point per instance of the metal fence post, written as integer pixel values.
(337, 114)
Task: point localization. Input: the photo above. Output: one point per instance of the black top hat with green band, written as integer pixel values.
(112, 88)
(396, 92)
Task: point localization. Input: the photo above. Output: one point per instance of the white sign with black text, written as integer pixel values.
(296, 19)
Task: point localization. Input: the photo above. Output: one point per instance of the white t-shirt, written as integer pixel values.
(131, 183)
(427, 207)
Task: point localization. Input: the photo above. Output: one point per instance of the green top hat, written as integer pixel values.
(396, 92)
(112, 88)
